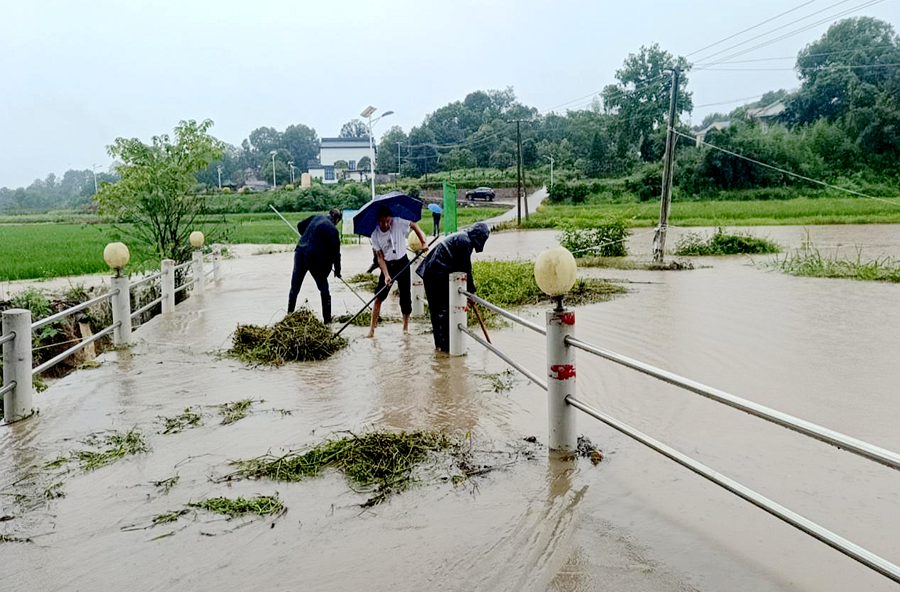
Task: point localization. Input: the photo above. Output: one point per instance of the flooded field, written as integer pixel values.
(824, 350)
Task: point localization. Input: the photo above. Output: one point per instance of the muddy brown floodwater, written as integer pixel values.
(824, 350)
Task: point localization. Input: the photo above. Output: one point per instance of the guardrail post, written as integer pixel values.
(197, 272)
(457, 314)
(418, 293)
(217, 263)
(167, 283)
(121, 309)
(17, 404)
(561, 380)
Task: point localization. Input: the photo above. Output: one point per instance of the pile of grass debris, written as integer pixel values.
(298, 337)
(366, 281)
(378, 462)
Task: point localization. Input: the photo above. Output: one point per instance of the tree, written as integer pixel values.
(302, 143)
(641, 98)
(153, 193)
(363, 164)
(354, 129)
(386, 155)
(459, 158)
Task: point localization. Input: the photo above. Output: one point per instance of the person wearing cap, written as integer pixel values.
(452, 255)
(389, 244)
(318, 251)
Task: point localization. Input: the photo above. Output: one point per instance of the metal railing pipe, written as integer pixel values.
(524, 371)
(183, 265)
(59, 358)
(183, 286)
(854, 445)
(149, 278)
(505, 313)
(835, 541)
(146, 307)
(70, 311)
(7, 388)
(6, 338)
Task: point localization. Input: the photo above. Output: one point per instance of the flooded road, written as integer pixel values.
(824, 350)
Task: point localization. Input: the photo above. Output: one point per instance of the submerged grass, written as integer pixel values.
(509, 284)
(724, 243)
(112, 447)
(234, 411)
(629, 264)
(181, 422)
(264, 505)
(381, 462)
(808, 261)
(299, 337)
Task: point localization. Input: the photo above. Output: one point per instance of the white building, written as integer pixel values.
(332, 150)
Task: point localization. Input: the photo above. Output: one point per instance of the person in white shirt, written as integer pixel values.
(389, 244)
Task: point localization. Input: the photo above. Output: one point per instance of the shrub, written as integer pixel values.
(288, 187)
(606, 240)
(646, 183)
(723, 243)
(226, 190)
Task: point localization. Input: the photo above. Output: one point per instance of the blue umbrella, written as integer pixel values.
(435, 209)
(401, 205)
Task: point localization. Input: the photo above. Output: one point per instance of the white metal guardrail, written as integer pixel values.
(562, 402)
(16, 389)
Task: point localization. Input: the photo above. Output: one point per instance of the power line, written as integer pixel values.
(750, 28)
(785, 36)
(786, 172)
(809, 55)
(769, 32)
(829, 69)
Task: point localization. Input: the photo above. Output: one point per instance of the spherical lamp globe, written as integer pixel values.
(555, 271)
(116, 255)
(197, 239)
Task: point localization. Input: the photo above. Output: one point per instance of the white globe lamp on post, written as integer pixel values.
(197, 239)
(555, 272)
(116, 256)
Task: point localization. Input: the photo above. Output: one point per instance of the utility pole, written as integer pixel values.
(219, 168)
(398, 158)
(659, 240)
(519, 191)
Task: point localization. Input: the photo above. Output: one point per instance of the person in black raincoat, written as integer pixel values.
(453, 254)
(318, 251)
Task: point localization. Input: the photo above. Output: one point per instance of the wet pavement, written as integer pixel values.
(824, 350)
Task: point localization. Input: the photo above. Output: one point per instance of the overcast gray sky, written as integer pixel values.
(79, 74)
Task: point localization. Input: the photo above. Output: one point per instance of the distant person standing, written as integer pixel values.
(318, 252)
(389, 244)
(436, 212)
(453, 254)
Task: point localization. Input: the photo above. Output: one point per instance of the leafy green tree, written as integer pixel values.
(640, 100)
(363, 163)
(386, 155)
(459, 158)
(302, 143)
(153, 195)
(354, 129)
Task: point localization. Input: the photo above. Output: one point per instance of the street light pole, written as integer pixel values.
(367, 113)
(291, 164)
(94, 171)
(398, 158)
(274, 183)
(219, 168)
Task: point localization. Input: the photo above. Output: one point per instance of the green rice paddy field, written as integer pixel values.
(45, 250)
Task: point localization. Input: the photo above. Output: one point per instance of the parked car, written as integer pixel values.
(485, 193)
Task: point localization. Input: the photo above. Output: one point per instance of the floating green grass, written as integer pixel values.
(299, 337)
(169, 517)
(234, 411)
(183, 421)
(724, 243)
(264, 505)
(379, 462)
(367, 281)
(630, 264)
(113, 447)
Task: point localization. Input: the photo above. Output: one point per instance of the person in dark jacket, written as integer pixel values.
(318, 251)
(453, 254)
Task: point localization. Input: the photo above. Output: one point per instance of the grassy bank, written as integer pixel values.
(801, 211)
(808, 261)
(45, 250)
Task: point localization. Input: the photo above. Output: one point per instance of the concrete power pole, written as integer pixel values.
(659, 240)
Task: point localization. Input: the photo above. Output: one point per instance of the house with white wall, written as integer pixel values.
(332, 150)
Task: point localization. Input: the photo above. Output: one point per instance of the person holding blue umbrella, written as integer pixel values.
(387, 220)
(436, 212)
